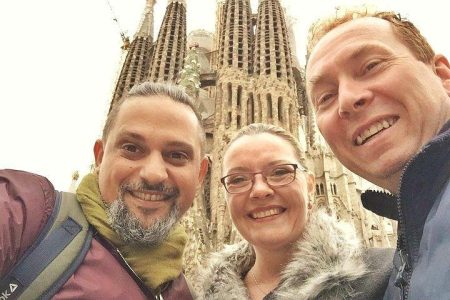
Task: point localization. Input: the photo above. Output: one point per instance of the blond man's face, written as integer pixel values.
(376, 104)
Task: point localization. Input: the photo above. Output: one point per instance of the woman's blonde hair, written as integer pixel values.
(259, 128)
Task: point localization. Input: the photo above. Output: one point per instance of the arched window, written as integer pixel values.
(269, 106)
(230, 103)
(291, 116)
(239, 96)
(230, 95)
(260, 109)
(280, 110)
(250, 109)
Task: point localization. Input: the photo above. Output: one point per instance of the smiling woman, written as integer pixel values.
(288, 245)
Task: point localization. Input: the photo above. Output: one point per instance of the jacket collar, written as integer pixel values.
(421, 181)
(327, 260)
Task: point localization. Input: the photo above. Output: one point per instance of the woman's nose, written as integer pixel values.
(260, 189)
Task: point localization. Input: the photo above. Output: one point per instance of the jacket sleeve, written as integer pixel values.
(26, 202)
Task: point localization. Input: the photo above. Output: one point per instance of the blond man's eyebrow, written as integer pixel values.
(356, 54)
(365, 49)
(314, 80)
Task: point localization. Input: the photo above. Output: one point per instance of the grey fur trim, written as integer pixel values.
(223, 277)
(328, 259)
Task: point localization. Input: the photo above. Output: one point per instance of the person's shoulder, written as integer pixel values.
(26, 202)
(22, 183)
(32, 192)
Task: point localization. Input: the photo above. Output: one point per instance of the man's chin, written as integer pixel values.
(387, 177)
(131, 228)
(149, 224)
(147, 218)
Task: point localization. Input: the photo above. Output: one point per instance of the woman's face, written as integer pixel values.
(267, 217)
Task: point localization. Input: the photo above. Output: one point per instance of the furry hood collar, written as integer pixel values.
(327, 260)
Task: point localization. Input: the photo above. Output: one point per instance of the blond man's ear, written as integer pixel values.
(442, 70)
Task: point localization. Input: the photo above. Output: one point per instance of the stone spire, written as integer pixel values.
(170, 48)
(272, 49)
(179, 1)
(236, 35)
(137, 61)
(147, 21)
(275, 85)
(74, 182)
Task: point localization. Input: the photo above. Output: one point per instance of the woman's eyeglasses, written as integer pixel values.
(275, 176)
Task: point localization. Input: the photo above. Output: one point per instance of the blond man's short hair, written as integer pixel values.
(403, 28)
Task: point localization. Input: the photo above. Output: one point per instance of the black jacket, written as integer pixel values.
(422, 208)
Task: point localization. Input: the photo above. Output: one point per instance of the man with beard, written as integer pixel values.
(149, 164)
(382, 100)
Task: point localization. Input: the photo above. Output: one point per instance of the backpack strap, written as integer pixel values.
(42, 272)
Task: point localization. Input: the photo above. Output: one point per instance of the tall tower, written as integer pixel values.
(234, 91)
(255, 83)
(170, 48)
(137, 61)
(275, 86)
(236, 35)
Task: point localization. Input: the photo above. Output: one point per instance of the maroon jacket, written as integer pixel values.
(26, 202)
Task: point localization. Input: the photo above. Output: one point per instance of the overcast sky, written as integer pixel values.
(59, 60)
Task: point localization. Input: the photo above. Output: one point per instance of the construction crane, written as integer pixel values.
(125, 38)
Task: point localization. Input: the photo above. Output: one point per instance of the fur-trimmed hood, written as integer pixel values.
(327, 263)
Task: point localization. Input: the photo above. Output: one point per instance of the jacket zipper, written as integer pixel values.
(404, 271)
(403, 274)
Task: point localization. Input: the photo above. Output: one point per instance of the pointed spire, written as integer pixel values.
(170, 47)
(290, 23)
(137, 62)
(145, 28)
(179, 1)
(236, 35)
(74, 182)
(272, 44)
(219, 18)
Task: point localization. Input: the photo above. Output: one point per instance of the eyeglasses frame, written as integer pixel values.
(296, 168)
